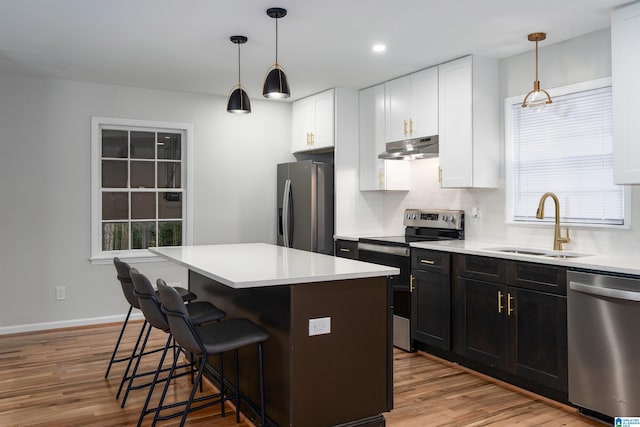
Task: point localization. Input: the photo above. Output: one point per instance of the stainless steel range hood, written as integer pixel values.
(411, 149)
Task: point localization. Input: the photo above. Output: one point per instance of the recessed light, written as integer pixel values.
(378, 48)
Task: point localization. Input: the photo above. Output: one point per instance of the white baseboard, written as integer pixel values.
(17, 329)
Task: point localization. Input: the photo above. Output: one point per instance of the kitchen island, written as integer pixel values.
(336, 370)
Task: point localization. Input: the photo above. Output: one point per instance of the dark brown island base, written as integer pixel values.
(328, 359)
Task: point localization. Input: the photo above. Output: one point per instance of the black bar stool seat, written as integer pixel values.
(204, 341)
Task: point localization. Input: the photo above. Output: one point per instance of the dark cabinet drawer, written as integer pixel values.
(432, 261)
(481, 268)
(538, 277)
(347, 249)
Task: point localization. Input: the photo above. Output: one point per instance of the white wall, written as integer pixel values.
(579, 59)
(45, 188)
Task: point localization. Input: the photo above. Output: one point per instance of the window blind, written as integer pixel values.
(567, 148)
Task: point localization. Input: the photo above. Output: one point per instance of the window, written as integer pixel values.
(139, 184)
(566, 148)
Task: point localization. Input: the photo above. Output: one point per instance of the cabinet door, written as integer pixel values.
(372, 125)
(323, 120)
(423, 120)
(301, 124)
(625, 63)
(398, 108)
(455, 122)
(431, 309)
(537, 334)
(479, 321)
(377, 174)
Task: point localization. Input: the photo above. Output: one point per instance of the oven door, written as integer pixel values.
(394, 256)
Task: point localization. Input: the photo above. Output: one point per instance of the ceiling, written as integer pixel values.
(184, 45)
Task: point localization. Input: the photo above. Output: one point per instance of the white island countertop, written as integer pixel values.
(250, 265)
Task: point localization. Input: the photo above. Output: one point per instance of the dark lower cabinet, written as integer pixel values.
(537, 334)
(431, 298)
(431, 309)
(481, 330)
(519, 329)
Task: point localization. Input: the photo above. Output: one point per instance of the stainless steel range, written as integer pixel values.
(420, 225)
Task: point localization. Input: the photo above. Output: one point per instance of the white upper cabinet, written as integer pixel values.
(468, 122)
(377, 174)
(625, 72)
(313, 123)
(412, 106)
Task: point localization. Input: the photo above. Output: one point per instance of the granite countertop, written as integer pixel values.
(248, 265)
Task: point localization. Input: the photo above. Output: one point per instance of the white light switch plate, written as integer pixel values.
(320, 326)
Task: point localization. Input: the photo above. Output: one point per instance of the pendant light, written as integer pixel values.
(276, 85)
(239, 100)
(537, 97)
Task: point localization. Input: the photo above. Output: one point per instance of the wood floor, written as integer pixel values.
(55, 378)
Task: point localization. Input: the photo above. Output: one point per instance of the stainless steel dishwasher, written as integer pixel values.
(604, 343)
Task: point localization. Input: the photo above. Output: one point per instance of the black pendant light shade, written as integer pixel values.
(276, 84)
(239, 100)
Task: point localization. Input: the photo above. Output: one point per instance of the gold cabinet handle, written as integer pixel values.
(439, 175)
(381, 178)
(427, 261)
(509, 309)
(404, 127)
(500, 306)
(345, 250)
(308, 139)
(411, 283)
(410, 127)
(313, 138)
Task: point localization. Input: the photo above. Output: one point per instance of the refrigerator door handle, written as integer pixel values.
(285, 213)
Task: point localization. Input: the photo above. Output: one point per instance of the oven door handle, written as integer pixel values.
(391, 250)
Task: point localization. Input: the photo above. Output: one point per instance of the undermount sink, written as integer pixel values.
(540, 252)
(520, 251)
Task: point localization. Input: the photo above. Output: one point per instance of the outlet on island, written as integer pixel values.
(320, 326)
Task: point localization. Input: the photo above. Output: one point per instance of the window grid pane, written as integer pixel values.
(140, 181)
(567, 148)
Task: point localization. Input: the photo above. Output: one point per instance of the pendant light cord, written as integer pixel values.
(536, 59)
(239, 65)
(276, 41)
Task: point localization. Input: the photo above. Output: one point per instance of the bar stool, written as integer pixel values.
(205, 341)
(122, 269)
(200, 313)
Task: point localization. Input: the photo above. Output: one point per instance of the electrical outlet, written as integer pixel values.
(476, 216)
(61, 292)
(320, 326)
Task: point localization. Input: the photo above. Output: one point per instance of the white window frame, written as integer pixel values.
(98, 256)
(508, 157)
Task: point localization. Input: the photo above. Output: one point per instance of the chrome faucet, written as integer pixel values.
(558, 240)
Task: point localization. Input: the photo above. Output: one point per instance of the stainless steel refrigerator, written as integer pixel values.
(305, 206)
